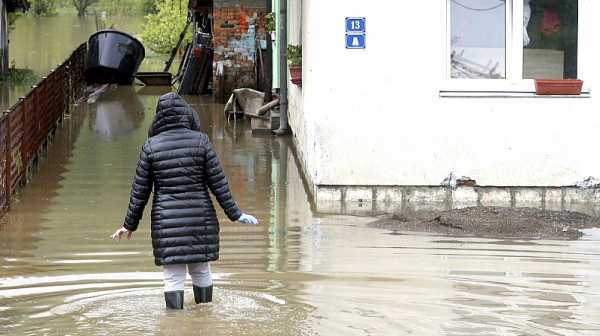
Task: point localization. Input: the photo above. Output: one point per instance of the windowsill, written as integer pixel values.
(468, 94)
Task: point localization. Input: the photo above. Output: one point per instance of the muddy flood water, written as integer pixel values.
(297, 272)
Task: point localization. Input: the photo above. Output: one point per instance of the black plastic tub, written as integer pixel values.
(113, 57)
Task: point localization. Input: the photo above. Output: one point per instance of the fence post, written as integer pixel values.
(44, 109)
(36, 123)
(26, 147)
(68, 93)
(8, 159)
(50, 98)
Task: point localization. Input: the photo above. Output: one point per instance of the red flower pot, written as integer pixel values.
(296, 74)
(558, 86)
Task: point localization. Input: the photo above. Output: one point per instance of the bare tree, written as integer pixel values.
(82, 6)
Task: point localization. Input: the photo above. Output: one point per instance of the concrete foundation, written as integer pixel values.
(385, 199)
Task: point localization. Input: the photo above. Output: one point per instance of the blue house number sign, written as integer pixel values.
(355, 33)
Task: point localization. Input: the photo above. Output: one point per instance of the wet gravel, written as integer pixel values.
(492, 222)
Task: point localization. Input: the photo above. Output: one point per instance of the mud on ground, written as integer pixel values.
(492, 222)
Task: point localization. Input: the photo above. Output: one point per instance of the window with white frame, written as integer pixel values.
(511, 41)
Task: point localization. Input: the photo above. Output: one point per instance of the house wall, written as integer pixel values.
(295, 18)
(236, 25)
(373, 124)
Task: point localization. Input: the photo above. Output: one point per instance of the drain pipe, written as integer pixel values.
(263, 110)
(283, 101)
(268, 78)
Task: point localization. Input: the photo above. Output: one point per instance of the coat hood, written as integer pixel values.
(173, 112)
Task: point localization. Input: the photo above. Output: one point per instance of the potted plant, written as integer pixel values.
(271, 25)
(293, 53)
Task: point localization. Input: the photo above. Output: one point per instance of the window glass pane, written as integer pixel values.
(550, 39)
(478, 38)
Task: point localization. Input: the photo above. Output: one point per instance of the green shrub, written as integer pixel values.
(293, 53)
(19, 76)
(271, 22)
(163, 29)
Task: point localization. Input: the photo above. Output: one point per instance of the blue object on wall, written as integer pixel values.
(355, 33)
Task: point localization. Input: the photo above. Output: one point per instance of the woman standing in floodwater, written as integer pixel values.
(181, 164)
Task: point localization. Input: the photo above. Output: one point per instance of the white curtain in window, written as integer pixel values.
(526, 16)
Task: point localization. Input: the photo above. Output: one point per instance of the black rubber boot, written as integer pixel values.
(203, 294)
(174, 299)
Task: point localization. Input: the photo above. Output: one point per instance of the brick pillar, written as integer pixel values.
(234, 44)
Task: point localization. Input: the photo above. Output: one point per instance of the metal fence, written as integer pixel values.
(26, 127)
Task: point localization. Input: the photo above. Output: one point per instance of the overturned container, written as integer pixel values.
(113, 57)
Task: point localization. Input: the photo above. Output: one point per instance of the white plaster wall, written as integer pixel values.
(302, 129)
(375, 116)
(295, 98)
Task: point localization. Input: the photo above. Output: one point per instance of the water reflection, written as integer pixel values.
(152, 90)
(296, 273)
(117, 113)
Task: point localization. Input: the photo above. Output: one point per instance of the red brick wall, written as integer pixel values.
(235, 30)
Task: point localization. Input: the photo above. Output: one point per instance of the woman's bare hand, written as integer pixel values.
(117, 235)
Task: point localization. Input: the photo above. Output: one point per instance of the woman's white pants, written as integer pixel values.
(174, 275)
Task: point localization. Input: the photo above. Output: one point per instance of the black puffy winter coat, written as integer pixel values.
(180, 163)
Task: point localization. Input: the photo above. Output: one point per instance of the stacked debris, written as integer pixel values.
(197, 73)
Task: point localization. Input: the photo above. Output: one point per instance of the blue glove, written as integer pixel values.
(247, 219)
